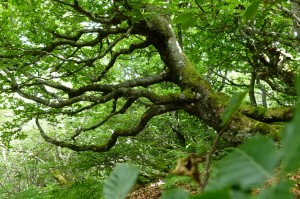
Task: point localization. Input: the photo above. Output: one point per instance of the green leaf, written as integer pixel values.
(278, 191)
(186, 20)
(291, 147)
(120, 181)
(291, 140)
(237, 194)
(182, 18)
(251, 164)
(252, 9)
(224, 194)
(233, 105)
(175, 194)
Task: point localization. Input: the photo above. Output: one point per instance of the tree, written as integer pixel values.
(77, 59)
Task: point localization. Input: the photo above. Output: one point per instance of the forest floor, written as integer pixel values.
(296, 188)
(154, 191)
(147, 192)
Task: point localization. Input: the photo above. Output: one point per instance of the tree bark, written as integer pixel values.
(208, 105)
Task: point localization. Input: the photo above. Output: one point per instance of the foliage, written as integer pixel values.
(176, 194)
(71, 67)
(34, 156)
(248, 166)
(86, 189)
(245, 168)
(252, 9)
(146, 82)
(172, 182)
(29, 193)
(120, 181)
(233, 105)
(290, 142)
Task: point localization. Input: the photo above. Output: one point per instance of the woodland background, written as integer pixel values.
(86, 85)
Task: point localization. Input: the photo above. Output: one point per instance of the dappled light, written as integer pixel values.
(149, 99)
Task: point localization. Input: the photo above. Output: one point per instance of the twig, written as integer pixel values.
(199, 6)
(208, 158)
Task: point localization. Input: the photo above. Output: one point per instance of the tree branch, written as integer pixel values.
(127, 104)
(115, 55)
(288, 12)
(268, 115)
(91, 16)
(147, 116)
(143, 81)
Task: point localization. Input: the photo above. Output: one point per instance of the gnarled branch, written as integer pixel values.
(147, 116)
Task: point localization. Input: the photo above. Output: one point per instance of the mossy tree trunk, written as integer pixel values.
(204, 103)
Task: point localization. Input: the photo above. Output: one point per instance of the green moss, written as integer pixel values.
(285, 112)
(268, 113)
(188, 93)
(185, 95)
(192, 79)
(275, 135)
(256, 111)
(219, 100)
(272, 131)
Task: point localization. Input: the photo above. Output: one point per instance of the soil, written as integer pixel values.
(147, 192)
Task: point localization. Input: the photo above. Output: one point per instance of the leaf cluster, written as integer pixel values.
(249, 166)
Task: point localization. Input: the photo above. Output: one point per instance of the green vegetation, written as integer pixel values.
(104, 99)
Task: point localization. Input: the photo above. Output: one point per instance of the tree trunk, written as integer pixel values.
(295, 8)
(206, 104)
